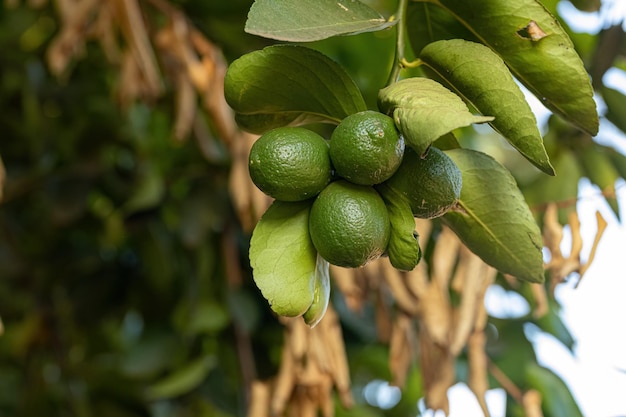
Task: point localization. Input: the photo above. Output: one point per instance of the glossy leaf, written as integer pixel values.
(493, 219)
(478, 75)
(304, 21)
(538, 51)
(424, 110)
(556, 399)
(283, 258)
(427, 22)
(321, 297)
(403, 248)
(289, 85)
(183, 380)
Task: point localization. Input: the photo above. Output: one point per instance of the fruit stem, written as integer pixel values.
(399, 60)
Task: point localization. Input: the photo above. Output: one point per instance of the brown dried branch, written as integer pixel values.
(602, 224)
(531, 401)
(401, 349)
(129, 18)
(437, 364)
(478, 381)
(259, 400)
(505, 382)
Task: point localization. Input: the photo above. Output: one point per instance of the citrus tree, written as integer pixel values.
(360, 174)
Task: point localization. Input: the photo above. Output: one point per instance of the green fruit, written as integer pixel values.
(366, 148)
(431, 184)
(290, 163)
(349, 224)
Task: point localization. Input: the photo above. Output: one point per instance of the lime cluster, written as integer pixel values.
(349, 221)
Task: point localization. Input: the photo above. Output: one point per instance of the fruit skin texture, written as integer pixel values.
(290, 163)
(349, 224)
(366, 148)
(431, 184)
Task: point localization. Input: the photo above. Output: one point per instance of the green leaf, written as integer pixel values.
(321, 298)
(424, 110)
(598, 167)
(305, 21)
(556, 398)
(493, 219)
(182, 380)
(283, 258)
(551, 323)
(562, 187)
(403, 248)
(537, 50)
(427, 22)
(289, 85)
(493, 92)
(616, 107)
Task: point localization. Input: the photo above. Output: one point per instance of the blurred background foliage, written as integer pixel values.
(124, 283)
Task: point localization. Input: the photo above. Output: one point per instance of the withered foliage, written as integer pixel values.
(415, 312)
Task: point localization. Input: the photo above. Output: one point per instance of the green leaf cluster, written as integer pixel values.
(470, 60)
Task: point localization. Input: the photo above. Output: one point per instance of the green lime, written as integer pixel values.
(290, 163)
(431, 184)
(366, 148)
(349, 224)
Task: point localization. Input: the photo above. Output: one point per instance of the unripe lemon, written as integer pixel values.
(290, 163)
(431, 184)
(366, 148)
(349, 224)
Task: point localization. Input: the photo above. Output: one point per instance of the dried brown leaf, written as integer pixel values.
(436, 314)
(417, 280)
(69, 43)
(131, 23)
(395, 280)
(531, 401)
(259, 400)
(337, 351)
(577, 240)
(552, 232)
(401, 348)
(444, 257)
(186, 107)
(541, 300)
(348, 283)
(437, 366)
(284, 384)
(478, 381)
(602, 224)
(471, 298)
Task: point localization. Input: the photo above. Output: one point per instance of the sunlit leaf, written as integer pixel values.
(289, 85)
(283, 258)
(304, 21)
(424, 110)
(493, 92)
(536, 49)
(493, 219)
